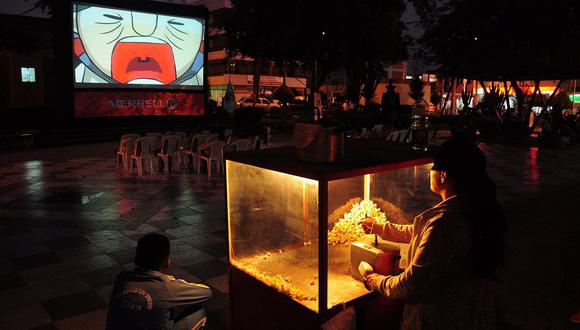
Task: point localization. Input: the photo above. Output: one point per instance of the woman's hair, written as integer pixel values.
(465, 164)
(463, 161)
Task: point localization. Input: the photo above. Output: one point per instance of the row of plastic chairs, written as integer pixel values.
(136, 151)
(178, 149)
(405, 135)
(211, 152)
(402, 136)
(139, 151)
(377, 132)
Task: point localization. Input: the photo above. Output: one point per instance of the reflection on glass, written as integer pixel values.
(273, 224)
(395, 196)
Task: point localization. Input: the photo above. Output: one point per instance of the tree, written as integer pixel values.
(256, 29)
(367, 35)
(44, 5)
(284, 94)
(513, 42)
(504, 37)
(360, 37)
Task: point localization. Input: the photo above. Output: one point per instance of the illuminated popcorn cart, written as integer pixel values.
(293, 228)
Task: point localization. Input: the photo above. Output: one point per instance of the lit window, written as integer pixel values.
(28, 74)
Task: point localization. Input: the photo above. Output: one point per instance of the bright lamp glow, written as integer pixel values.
(28, 74)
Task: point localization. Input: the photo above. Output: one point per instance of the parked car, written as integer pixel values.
(261, 103)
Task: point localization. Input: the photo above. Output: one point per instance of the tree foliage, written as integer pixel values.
(517, 39)
(515, 42)
(372, 37)
(43, 5)
(359, 37)
(284, 94)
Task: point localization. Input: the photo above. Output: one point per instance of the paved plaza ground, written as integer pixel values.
(69, 222)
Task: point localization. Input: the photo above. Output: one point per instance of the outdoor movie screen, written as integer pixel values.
(123, 48)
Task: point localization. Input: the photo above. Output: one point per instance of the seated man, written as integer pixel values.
(148, 299)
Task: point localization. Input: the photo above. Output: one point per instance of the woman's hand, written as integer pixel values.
(364, 268)
(369, 226)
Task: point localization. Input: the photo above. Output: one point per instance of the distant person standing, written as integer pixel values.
(390, 103)
(149, 299)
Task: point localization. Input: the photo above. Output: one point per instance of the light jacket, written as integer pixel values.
(439, 285)
(147, 299)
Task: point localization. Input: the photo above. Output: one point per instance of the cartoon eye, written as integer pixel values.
(172, 22)
(115, 17)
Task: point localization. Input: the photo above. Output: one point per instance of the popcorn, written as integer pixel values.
(282, 284)
(347, 229)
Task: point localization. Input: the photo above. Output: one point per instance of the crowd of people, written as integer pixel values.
(562, 124)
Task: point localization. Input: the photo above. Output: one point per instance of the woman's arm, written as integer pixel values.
(396, 233)
(388, 231)
(430, 262)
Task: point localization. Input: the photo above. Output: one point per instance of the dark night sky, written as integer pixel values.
(17, 7)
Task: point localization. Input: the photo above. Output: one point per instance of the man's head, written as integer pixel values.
(153, 252)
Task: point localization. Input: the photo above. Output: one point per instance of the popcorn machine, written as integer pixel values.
(292, 226)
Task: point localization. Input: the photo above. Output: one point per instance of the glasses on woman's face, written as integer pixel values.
(431, 171)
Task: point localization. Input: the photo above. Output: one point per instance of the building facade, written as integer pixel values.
(26, 62)
(224, 68)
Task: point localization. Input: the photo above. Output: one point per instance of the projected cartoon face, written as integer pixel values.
(130, 47)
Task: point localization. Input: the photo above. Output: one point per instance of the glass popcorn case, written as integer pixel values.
(293, 228)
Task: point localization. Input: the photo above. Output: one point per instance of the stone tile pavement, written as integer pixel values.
(69, 222)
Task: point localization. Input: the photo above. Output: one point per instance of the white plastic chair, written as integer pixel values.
(169, 145)
(182, 148)
(130, 135)
(377, 131)
(401, 136)
(393, 136)
(228, 134)
(180, 134)
(240, 145)
(193, 150)
(212, 137)
(126, 146)
(405, 136)
(156, 140)
(255, 143)
(364, 133)
(141, 154)
(216, 154)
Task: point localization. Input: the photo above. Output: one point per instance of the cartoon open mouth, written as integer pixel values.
(143, 58)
